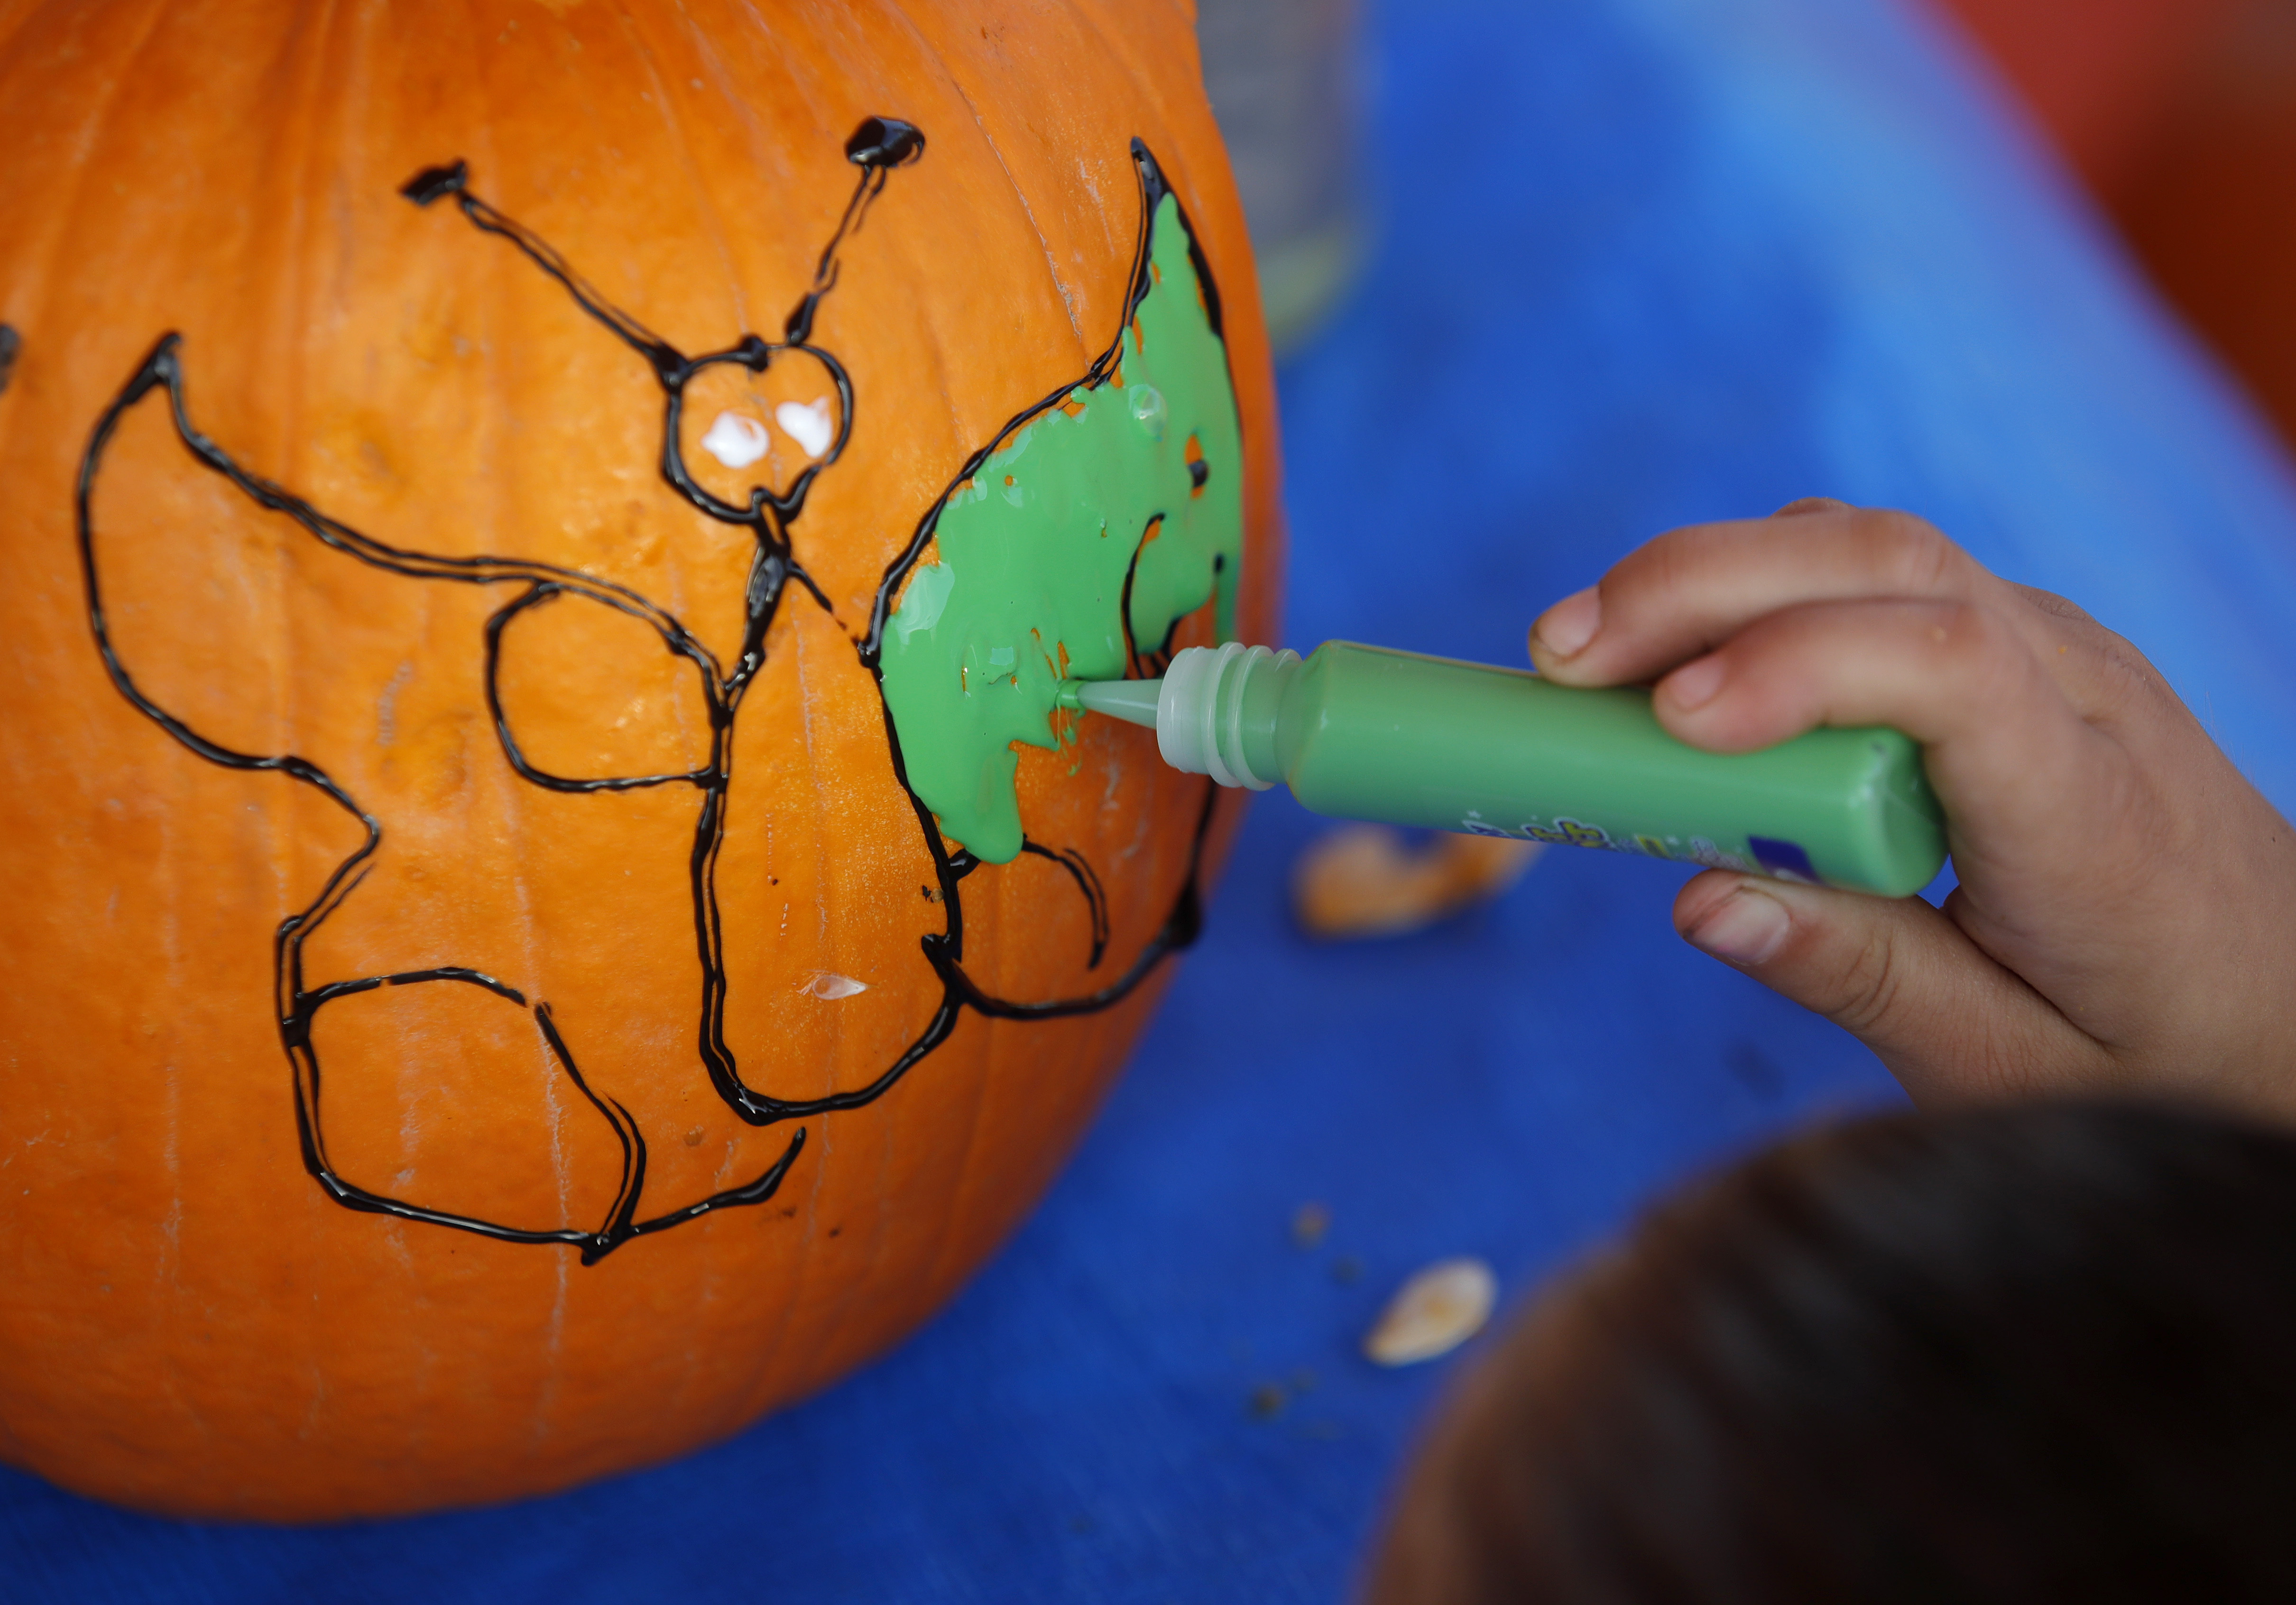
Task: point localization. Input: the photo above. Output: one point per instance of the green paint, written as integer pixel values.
(1031, 553)
(1361, 733)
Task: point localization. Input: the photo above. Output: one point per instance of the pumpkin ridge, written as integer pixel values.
(673, 131)
(76, 163)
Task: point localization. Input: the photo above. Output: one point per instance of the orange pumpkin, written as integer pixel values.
(484, 1009)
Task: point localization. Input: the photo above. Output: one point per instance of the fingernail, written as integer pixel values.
(1794, 509)
(1693, 685)
(1748, 929)
(1565, 628)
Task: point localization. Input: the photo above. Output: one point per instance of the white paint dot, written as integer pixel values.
(829, 987)
(809, 426)
(736, 440)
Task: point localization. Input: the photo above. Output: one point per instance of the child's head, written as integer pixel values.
(2027, 1354)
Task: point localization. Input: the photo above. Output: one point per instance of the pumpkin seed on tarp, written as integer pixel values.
(1433, 1313)
(1370, 881)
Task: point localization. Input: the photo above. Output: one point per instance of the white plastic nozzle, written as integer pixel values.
(1197, 709)
(1132, 700)
(1200, 711)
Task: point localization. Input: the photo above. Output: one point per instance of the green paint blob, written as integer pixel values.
(1034, 549)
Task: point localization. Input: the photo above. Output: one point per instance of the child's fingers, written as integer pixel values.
(1695, 588)
(1692, 589)
(1899, 975)
(2102, 674)
(2003, 747)
(1938, 670)
(2037, 797)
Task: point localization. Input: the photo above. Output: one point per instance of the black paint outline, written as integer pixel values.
(878, 146)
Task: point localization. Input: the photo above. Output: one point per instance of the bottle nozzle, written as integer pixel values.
(1132, 700)
(1198, 710)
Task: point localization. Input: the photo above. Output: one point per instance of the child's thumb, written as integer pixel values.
(1948, 1021)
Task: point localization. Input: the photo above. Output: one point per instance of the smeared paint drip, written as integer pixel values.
(811, 426)
(737, 441)
(1074, 545)
(1434, 1313)
(829, 987)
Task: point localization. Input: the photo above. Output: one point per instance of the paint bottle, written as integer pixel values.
(1362, 732)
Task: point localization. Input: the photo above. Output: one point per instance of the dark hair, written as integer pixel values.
(2028, 1355)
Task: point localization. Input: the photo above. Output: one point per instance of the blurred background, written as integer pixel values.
(2178, 117)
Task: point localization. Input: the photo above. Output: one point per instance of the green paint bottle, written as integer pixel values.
(1361, 733)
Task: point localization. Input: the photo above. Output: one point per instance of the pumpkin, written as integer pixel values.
(549, 909)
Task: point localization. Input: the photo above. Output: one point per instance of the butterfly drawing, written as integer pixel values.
(1151, 496)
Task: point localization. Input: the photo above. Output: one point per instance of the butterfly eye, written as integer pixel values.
(742, 431)
(811, 424)
(735, 440)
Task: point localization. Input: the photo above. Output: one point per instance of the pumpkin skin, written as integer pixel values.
(189, 1323)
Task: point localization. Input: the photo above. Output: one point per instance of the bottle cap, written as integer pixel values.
(1200, 712)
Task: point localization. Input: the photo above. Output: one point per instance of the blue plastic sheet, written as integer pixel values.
(1643, 262)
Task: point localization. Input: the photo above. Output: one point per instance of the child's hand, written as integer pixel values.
(2127, 915)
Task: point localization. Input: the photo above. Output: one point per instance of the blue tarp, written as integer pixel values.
(1643, 262)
